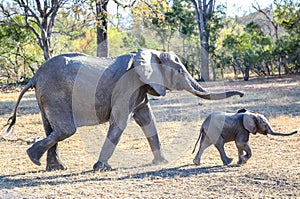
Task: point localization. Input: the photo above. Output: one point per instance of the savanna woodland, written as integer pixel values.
(257, 53)
(211, 44)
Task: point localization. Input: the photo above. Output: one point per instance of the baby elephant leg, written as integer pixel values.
(220, 146)
(204, 143)
(242, 146)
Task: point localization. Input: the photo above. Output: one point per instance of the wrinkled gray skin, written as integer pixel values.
(75, 90)
(220, 128)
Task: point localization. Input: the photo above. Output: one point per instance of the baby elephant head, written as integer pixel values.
(257, 123)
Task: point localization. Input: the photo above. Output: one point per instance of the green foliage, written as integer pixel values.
(162, 25)
(287, 14)
(253, 28)
(288, 46)
(20, 55)
(247, 51)
(132, 40)
(251, 50)
(182, 17)
(215, 24)
(156, 16)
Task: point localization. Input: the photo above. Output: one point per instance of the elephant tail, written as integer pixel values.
(12, 119)
(200, 135)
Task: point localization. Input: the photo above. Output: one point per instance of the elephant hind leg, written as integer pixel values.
(53, 159)
(59, 129)
(204, 143)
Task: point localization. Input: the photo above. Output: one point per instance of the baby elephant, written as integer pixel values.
(220, 128)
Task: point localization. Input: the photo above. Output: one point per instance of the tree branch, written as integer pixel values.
(271, 20)
(129, 5)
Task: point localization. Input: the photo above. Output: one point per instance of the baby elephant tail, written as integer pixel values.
(200, 135)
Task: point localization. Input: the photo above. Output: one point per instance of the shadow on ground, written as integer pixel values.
(22, 180)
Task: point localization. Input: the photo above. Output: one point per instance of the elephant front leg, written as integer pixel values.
(226, 160)
(241, 148)
(248, 153)
(145, 119)
(240, 154)
(109, 146)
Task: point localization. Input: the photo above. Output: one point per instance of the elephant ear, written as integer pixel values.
(250, 123)
(148, 66)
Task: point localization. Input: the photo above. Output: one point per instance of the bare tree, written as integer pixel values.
(268, 14)
(38, 16)
(204, 10)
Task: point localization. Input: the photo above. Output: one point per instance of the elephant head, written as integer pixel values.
(257, 123)
(164, 70)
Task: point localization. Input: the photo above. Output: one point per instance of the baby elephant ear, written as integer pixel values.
(250, 123)
(147, 65)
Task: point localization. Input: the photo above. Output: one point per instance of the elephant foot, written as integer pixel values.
(34, 155)
(227, 161)
(55, 166)
(54, 162)
(160, 160)
(102, 166)
(244, 159)
(196, 161)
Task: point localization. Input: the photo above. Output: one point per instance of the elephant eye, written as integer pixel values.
(176, 59)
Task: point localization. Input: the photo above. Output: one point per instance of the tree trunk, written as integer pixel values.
(247, 72)
(203, 11)
(279, 66)
(204, 59)
(102, 28)
(268, 68)
(236, 60)
(234, 71)
(285, 65)
(45, 45)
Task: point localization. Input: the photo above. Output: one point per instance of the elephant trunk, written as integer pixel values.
(197, 90)
(282, 134)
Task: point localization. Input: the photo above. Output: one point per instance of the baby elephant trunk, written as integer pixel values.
(283, 134)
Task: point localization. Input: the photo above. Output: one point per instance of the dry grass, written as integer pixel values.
(272, 172)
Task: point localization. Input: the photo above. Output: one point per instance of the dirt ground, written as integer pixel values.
(272, 172)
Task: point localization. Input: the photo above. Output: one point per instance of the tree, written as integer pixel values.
(215, 25)
(102, 28)
(287, 14)
(249, 51)
(268, 13)
(182, 17)
(102, 24)
(203, 12)
(38, 16)
(18, 59)
(156, 16)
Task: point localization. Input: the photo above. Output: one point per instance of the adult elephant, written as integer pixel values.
(76, 90)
